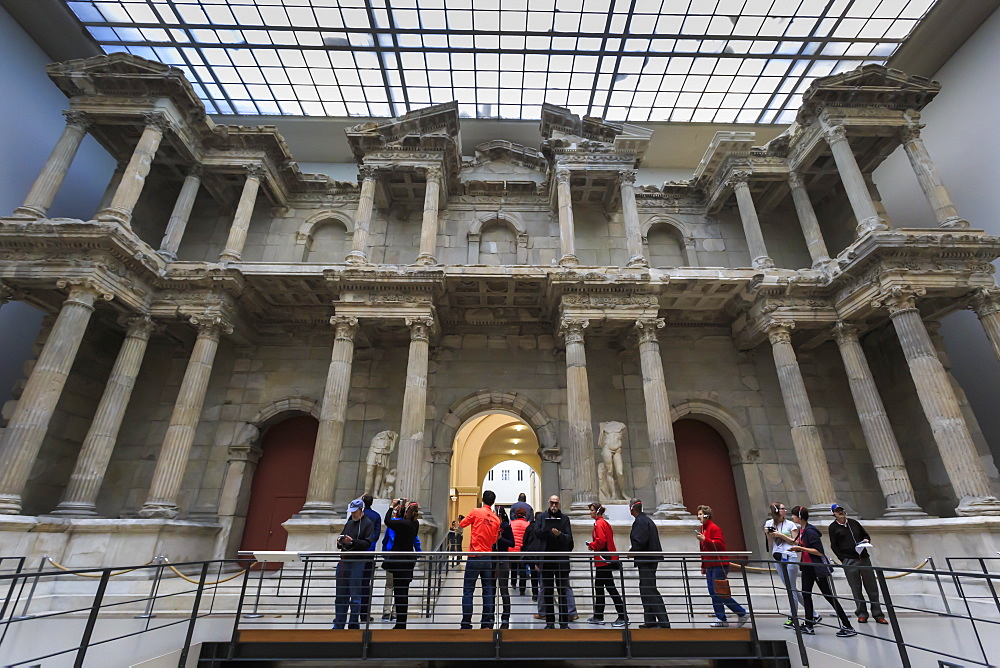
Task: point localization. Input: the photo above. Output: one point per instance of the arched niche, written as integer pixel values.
(668, 243)
(498, 238)
(326, 236)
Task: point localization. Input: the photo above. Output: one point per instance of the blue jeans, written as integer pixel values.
(350, 588)
(476, 568)
(720, 604)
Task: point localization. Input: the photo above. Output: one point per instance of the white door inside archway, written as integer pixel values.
(511, 477)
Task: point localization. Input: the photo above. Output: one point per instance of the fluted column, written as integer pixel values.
(44, 190)
(244, 212)
(564, 198)
(80, 497)
(807, 220)
(170, 465)
(179, 216)
(630, 212)
(135, 174)
(882, 445)
(740, 183)
(429, 224)
(854, 181)
(986, 304)
(929, 179)
(666, 472)
(581, 430)
(937, 397)
(805, 434)
(410, 461)
(27, 427)
(363, 217)
(332, 417)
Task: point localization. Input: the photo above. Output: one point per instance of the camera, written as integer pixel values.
(771, 529)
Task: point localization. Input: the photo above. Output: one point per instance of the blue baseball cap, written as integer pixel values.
(356, 504)
(835, 506)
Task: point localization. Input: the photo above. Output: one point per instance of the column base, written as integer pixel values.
(120, 216)
(637, 261)
(31, 212)
(356, 258)
(315, 509)
(818, 510)
(672, 511)
(972, 506)
(167, 255)
(159, 511)
(424, 260)
(75, 509)
(868, 225)
(10, 504)
(229, 256)
(569, 260)
(763, 262)
(904, 510)
(954, 223)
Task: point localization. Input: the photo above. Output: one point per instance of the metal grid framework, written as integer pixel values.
(722, 61)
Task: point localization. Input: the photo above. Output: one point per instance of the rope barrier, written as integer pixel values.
(916, 568)
(184, 577)
(887, 577)
(96, 575)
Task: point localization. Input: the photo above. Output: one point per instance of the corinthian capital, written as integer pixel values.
(432, 173)
(844, 332)
(368, 172)
(138, 326)
(835, 134)
(646, 328)
(986, 301)
(254, 171)
(572, 329)
(211, 324)
(562, 174)
(420, 327)
(738, 179)
(910, 132)
(899, 298)
(795, 180)
(626, 177)
(778, 331)
(157, 121)
(344, 327)
(78, 119)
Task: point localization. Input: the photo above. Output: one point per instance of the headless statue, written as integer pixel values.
(613, 478)
(378, 462)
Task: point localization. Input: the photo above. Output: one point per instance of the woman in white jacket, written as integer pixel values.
(781, 533)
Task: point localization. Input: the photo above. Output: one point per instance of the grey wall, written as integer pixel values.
(964, 142)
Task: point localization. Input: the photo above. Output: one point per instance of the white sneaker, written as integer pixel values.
(742, 620)
(719, 624)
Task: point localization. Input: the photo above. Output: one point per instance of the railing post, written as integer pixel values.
(794, 610)
(154, 590)
(989, 581)
(13, 585)
(31, 592)
(896, 631)
(256, 601)
(88, 630)
(937, 578)
(239, 609)
(182, 662)
(754, 638)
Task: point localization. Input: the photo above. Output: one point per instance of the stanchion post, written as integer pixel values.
(256, 601)
(239, 609)
(754, 638)
(792, 608)
(194, 615)
(154, 590)
(989, 581)
(896, 631)
(937, 578)
(88, 630)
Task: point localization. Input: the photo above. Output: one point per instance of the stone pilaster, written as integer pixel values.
(332, 417)
(244, 212)
(567, 232)
(666, 473)
(429, 224)
(986, 304)
(807, 220)
(630, 212)
(740, 183)
(170, 465)
(44, 190)
(135, 174)
(581, 430)
(179, 216)
(27, 427)
(882, 445)
(80, 497)
(410, 460)
(854, 181)
(805, 434)
(363, 217)
(937, 397)
(929, 179)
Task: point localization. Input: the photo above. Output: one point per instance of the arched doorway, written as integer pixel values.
(279, 485)
(707, 477)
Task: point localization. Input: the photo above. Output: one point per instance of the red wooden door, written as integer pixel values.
(707, 477)
(278, 490)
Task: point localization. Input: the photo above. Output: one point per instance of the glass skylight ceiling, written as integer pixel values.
(722, 61)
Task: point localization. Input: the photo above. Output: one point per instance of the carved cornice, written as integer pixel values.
(899, 299)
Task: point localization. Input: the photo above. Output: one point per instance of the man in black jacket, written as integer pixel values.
(845, 535)
(357, 537)
(646, 538)
(554, 534)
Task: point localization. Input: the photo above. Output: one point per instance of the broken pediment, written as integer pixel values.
(434, 128)
(565, 131)
(867, 86)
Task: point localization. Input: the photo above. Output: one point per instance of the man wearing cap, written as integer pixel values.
(357, 537)
(846, 535)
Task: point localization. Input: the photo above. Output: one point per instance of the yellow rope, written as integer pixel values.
(899, 575)
(181, 575)
(96, 575)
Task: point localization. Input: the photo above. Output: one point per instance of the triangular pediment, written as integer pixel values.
(875, 76)
(867, 86)
(116, 63)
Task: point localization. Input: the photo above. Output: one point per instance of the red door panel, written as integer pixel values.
(707, 477)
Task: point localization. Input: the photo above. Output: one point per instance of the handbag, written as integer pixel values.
(722, 588)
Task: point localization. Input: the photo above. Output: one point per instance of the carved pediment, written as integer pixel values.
(433, 128)
(868, 85)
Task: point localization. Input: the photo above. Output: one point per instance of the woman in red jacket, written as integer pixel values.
(605, 565)
(715, 568)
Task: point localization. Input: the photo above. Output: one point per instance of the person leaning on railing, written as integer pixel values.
(485, 528)
(401, 560)
(359, 532)
(716, 568)
(816, 569)
(602, 539)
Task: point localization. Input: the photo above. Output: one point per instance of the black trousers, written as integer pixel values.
(653, 610)
(401, 578)
(503, 577)
(811, 577)
(555, 577)
(604, 580)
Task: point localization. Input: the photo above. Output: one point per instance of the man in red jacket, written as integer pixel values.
(485, 529)
(518, 526)
(715, 568)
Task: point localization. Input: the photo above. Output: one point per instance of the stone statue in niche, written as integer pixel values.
(378, 462)
(611, 470)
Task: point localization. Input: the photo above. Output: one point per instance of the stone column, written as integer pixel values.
(80, 497)
(410, 460)
(929, 179)
(666, 473)
(986, 304)
(805, 434)
(807, 219)
(44, 190)
(111, 188)
(581, 430)
(179, 216)
(882, 445)
(244, 211)
(170, 465)
(854, 181)
(740, 183)
(363, 217)
(564, 197)
(333, 415)
(135, 174)
(630, 212)
(429, 225)
(937, 397)
(26, 429)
